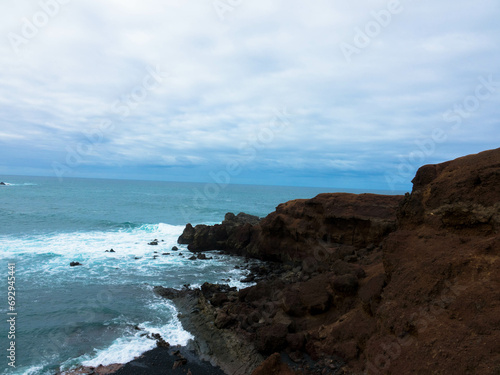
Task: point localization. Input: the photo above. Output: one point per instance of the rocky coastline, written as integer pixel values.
(357, 284)
(360, 284)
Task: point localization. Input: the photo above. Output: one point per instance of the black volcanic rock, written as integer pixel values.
(187, 235)
(233, 233)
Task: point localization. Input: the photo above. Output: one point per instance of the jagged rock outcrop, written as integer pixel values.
(459, 194)
(233, 233)
(329, 222)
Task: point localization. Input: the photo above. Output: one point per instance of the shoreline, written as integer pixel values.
(175, 360)
(355, 284)
(361, 283)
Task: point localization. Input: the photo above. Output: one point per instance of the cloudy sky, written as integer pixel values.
(320, 93)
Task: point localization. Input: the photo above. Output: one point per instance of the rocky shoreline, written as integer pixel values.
(359, 284)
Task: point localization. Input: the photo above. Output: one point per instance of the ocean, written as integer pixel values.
(99, 312)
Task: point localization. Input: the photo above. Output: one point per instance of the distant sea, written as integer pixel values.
(90, 314)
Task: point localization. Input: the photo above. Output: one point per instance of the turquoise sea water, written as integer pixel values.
(87, 315)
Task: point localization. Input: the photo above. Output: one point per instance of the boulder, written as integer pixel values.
(187, 235)
(273, 365)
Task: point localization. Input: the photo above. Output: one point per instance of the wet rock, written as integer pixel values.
(74, 264)
(175, 248)
(249, 279)
(160, 342)
(187, 235)
(203, 257)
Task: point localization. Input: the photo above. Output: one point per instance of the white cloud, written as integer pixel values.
(226, 77)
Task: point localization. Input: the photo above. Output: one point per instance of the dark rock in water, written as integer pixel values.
(137, 258)
(203, 257)
(233, 233)
(3, 183)
(248, 279)
(187, 235)
(111, 251)
(155, 256)
(193, 257)
(165, 254)
(160, 342)
(175, 248)
(73, 264)
(172, 293)
(153, 243)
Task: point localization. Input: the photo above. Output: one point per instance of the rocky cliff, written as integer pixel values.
(288, 234)
(365, 283)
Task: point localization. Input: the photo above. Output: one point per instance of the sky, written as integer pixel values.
(324, 93)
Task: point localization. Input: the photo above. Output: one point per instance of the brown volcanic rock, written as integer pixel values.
(440, 311)
(234, 233)
(273, 366)
(459, 194)
(416, 295)
(299, 228)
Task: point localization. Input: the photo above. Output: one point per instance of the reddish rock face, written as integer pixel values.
(273, 366)
(441, 308)
(296, 229)
(328, 220)
(459, 194)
